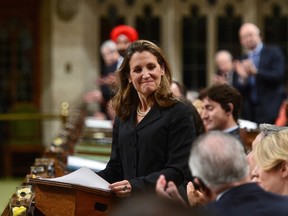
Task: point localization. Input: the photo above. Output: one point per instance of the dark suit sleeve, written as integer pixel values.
(271, 66)
(113, 171)
(180, 138)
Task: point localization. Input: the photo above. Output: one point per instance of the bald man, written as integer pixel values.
(225, 68)
(260, 77)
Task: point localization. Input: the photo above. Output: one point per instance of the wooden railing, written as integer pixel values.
(18, 142)
(37, 116)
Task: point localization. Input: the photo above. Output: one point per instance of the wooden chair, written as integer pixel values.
(248, 137)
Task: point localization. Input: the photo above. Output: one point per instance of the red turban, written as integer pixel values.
(128, 31)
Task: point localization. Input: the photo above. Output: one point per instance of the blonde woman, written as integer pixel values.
(271, 157)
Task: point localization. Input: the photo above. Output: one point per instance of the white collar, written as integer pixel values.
(228, 130)
(221, 194)
(257, 50)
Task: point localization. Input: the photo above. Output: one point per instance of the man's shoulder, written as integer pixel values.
(248, 199)
(271, 48)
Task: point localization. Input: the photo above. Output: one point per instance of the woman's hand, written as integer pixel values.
(121, 188)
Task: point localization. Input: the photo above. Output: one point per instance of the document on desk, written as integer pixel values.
(83, 177)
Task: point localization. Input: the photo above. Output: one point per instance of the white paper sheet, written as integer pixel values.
(84, 177)
(92, 122)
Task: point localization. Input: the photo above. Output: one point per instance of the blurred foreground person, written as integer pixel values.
(271, 157)
(219, 161)
(151, 205)
(265, 130)
(221, 171)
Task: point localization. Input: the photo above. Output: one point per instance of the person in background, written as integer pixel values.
(221, 107)
(260, 77)
(282, 118)
(123, 36)
(198, 105)
(153, 130)
(112, 61)
(225, 68)
(179, 91)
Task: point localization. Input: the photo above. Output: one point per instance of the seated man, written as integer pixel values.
(224, 178)
(221, 105)
(225, 68)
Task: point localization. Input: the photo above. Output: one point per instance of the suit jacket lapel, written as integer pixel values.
(153, 115)
(262, 56)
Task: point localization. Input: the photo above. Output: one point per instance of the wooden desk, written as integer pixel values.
(53, 201)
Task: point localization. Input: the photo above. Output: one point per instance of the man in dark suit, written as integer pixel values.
(219, 162)
(221, 106)
(260, 77)
(225, 68)
(112, 61)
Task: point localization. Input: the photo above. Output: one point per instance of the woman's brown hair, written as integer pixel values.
(126, 99)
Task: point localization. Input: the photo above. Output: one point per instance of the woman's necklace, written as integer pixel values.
(142, 114)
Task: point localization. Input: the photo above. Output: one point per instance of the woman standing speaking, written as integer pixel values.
(153, 131)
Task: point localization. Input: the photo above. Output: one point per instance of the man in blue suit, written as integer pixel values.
(260, 77)
(219, 161)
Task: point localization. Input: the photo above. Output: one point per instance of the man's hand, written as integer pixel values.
(195, 197)
(241, 69)
(168, 190)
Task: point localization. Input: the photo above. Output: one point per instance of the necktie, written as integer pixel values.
(254, 57)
